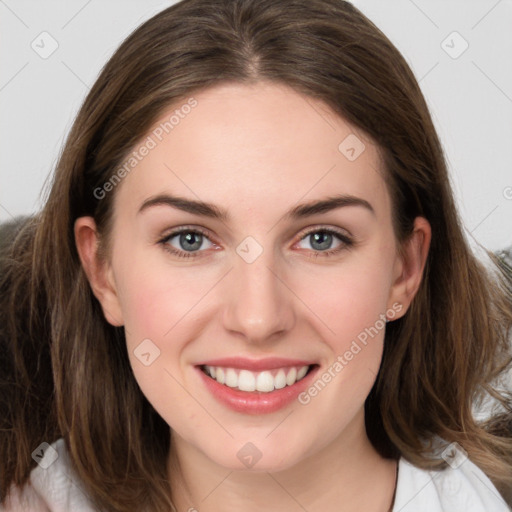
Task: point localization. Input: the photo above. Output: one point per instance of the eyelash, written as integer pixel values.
(347, 242)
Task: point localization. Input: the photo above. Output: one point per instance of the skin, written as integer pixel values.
(258, 151)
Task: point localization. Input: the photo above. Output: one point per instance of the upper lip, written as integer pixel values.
(243, 363)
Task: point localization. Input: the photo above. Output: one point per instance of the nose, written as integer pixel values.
(259, 304)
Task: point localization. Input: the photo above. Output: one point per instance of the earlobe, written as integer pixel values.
(411, 264)
(97, 270)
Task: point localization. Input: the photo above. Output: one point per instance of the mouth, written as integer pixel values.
(267, 387)
(265, 381)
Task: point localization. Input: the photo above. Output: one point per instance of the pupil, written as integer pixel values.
(322, 235)
(186, 239)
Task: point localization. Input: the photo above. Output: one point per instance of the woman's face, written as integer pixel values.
(291, 266)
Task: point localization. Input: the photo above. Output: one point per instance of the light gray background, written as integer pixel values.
(470, 96)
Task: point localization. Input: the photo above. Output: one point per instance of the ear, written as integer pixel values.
(97, 270)
(409, 265)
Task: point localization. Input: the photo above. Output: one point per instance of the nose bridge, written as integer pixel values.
(259, 304)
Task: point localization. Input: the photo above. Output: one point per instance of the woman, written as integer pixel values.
(249, 285)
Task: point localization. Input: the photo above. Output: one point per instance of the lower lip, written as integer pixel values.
(256, 402)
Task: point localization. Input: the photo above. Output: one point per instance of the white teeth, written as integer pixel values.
(218, 374)
(231, 378)
(265, 381)
(280, 380)
(291, 377)
(302, 372)
(246, 381)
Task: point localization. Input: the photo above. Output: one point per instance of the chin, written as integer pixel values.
(257, 456)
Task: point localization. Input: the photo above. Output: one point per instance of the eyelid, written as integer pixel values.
(319, 227)
(186, 228)
(164, 241)
(302, 234)
(346, 239)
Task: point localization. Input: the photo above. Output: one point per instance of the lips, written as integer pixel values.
(256, 386)
(255, 365)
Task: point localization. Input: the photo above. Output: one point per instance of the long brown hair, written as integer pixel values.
(66, 371)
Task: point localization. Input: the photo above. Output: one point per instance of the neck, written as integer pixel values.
(347, 474)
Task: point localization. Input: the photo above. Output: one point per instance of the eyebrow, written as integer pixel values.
(214, 212)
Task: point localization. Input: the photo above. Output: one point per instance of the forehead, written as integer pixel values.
(254, 145)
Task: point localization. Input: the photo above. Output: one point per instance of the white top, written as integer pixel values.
(462, 489)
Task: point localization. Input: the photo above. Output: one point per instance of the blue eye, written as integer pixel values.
(190, 240)
(321, 240)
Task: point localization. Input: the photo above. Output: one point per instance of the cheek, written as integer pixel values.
(352, 308)
(349, 299)
(156, 297)
(156, 304)
(160, 305)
